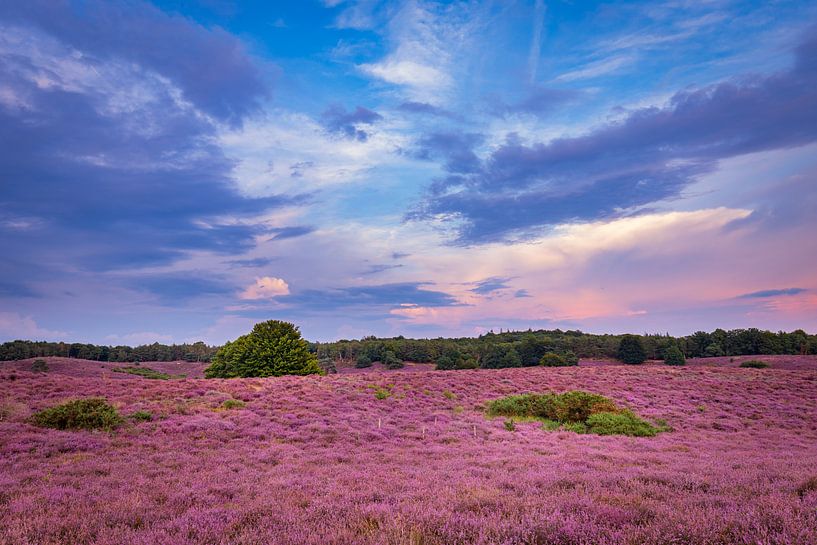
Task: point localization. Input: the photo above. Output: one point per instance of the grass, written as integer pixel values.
(233, 404)
(754, 364)
(576, 411)
(141, 416)
(145, 372)
(92, 413)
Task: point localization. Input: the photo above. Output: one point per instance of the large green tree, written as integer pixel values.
(631, 350)
(272, 349)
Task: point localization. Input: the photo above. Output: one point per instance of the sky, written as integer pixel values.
(180, 170)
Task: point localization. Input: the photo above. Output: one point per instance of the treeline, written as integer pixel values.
(20, 350)
(526, 348)
(491, 350)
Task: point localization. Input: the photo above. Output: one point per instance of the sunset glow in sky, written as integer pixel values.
(176, 171)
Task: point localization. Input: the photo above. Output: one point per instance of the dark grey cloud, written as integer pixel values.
(123, 175)
(773, 293)
(426, 109)
(490, 285)
(650, 155)
(250, 263)
(294, 231)
(374, 269)
(519, 294)
(383, 295)
(176, 288)
(336, 120)
(540, 101)
(210, 66)
(456, 149)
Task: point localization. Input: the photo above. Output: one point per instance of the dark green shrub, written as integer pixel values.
(144, 372)
(391, 361)
(511, 359)
(363, 360)
(754, 364)
(141, 416)
(328, 366)
(570, 358)
(271, 349)
(577, 406)
(620, 423)
(510, 425)
(233, 404)
(674, 356)
(39, 366)
(552, 359)
(576, 411)
(91, 413)
(631, 350)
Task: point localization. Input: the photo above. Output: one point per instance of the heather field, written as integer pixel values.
(409, 458)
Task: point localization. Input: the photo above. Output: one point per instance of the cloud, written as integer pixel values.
(540, 101)
(374, 269)
(427, 109)
(139, 338)
(252, 262)
(457, 148)
(520, 294)
(539, 11)
(338, 121)
(602, 67)
(106, 152)
(169, 45)
(179, 287)
(407, 72)
(282, 233)
(372, 296)
(266, 287)
(772, 293)
(15, 326)
(651, 155)
(490, 285)
(424, 41)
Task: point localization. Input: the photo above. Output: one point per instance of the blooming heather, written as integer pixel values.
(324, 460)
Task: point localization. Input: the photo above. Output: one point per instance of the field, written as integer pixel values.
(409, 458)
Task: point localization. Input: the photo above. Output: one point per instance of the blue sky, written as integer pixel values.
(179, 170)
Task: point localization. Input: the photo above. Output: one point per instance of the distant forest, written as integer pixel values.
(505, 349)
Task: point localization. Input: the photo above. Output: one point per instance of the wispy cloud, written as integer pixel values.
(763, 294)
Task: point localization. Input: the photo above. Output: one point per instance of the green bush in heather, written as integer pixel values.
(754, 364)
(92, 413)
(39, 366)
(576, 411)
(674, 356)
(272, 349)
(144, 372)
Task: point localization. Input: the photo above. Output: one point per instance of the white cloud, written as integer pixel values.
(427, 45)
(139, 337)
(266, 287)
(409, 73)
(598, 68)
(287, 151)
(16, 326)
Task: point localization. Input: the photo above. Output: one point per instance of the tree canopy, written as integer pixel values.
(631, 350)
(272, 349)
